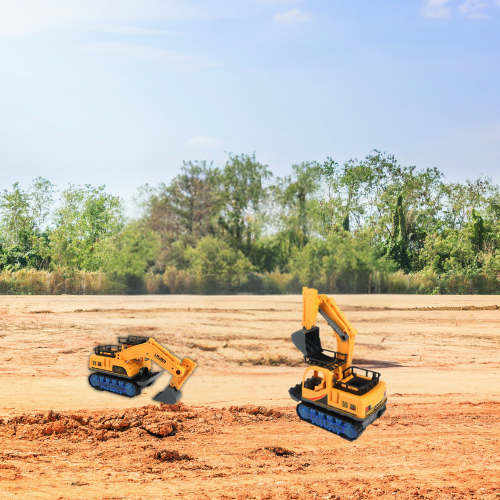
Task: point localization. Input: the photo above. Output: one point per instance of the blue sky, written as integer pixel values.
(119, 92)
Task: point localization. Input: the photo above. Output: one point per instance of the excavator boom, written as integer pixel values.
(327, 307)
(180, 370)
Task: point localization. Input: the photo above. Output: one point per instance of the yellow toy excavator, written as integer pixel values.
(334, 395)
(125, 369)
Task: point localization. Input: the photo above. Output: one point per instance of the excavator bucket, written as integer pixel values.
(307, 341)
(169, 396)
(309, 344)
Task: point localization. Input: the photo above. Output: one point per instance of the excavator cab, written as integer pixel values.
(315, 380)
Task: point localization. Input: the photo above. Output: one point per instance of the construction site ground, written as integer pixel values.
(235, 434)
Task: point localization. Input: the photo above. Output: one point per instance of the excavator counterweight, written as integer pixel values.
(126, 368)
(334, 394)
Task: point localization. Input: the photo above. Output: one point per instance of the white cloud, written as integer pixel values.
(436, 8)
(203, 141)
(128, 51)
(293, 16)
(473, 9)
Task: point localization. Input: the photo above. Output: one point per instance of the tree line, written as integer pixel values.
(360, 226)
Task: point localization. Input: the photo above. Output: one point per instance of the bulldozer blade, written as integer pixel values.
(169, 396)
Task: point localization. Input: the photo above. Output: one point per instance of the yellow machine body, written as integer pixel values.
(116, 365)
(126, 368)
(334, 394)
(325, 394)
(130, 359)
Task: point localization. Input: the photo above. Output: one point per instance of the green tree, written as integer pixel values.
(217, 266)
(85, 219)
(16, 219)
(183, 211)
(361, 196)
(461, 199)
(478, 231)
(346, 194)
(341, 263)
(242, 196)
(187, 205)
(296, 196)
(133, 250)
(41, 197)
(399, 239)
(449, 252)
(22, 214)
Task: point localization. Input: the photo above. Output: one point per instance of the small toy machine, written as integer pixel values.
(334, 395)
(126, 368)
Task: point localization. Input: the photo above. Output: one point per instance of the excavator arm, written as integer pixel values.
(180, 370)
(327, 307)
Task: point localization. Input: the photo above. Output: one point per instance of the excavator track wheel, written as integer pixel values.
(95, 383)
(350, 431)
(130, 389)
(303, 412)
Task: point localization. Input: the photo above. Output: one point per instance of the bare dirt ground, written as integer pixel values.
(236, 434)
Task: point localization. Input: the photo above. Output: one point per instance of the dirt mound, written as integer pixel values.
(99, 426)
(276, 450)
(255, 410)
(156, 421)
(170, 456)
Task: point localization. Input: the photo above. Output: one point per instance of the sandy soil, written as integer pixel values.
(236, 434)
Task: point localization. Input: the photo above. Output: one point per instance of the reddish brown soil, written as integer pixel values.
(236, 434)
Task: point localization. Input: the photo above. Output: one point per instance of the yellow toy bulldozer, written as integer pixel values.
(334, 395)
(125, 369)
